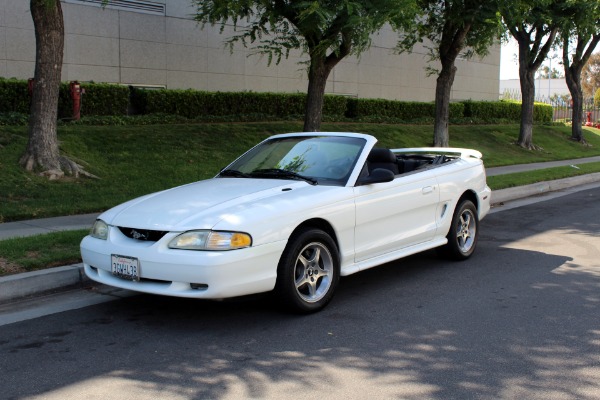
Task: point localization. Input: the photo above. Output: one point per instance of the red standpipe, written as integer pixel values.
(76, 92)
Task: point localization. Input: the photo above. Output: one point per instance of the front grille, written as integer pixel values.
(145, 235)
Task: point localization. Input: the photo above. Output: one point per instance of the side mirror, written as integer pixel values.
(378, 175)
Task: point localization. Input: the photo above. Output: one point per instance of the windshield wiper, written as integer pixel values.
(283, 174)
(233, 173)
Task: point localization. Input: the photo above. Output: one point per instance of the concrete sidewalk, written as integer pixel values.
(511, 169)
(15, 287)
(46, 225)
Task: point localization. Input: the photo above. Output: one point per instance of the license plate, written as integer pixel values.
(125, 267)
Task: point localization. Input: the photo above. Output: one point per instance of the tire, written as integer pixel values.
(308, 271)
(464, 230)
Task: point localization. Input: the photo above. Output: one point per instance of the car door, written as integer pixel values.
(394, 215)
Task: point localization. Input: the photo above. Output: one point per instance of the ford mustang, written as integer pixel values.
(291, 216)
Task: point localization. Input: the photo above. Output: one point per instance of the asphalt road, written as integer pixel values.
(519, 320)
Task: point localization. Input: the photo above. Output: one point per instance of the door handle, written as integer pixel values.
(427, 189)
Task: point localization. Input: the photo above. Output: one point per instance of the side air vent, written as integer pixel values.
(147, 7)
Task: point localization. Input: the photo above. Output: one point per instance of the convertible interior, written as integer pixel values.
(404, 163)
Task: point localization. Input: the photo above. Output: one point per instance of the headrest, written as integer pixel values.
(381, 156)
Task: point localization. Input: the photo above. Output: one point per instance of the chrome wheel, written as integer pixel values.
(308, 271)
(466, 229)
(313, 271)
(462, 237)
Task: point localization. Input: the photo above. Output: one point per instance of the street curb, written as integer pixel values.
(520, 192)
(13, 287)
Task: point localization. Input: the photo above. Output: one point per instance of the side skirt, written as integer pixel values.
(394, 255)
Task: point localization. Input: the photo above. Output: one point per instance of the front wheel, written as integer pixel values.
(464, 230)
(308, 271)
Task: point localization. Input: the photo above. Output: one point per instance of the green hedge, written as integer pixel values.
(119, 100)
(400, 110)
(493, 110)
(193, 103)
(543, 112)
(99, 98)
(14, 96)
(505, 110)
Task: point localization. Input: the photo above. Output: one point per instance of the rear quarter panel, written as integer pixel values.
(454, 180)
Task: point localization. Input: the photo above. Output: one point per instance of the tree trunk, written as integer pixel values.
(317, 79)
(573, 69)
(42, 150)
(442, 104)
(527, 80)
(573, 79)
(42, 153)
(530, 60)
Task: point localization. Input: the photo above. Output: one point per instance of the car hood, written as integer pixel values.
(199, 205)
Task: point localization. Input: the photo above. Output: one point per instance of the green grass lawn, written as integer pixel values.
(40, 251)
(135, 160)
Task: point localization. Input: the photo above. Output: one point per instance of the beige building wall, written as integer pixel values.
(161, 45)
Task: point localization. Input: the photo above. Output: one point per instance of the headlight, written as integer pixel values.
(211, 240)
(99, 230)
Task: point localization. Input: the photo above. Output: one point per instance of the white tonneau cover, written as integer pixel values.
(464, 153)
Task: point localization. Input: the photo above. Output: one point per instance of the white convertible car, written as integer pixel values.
(292, 215)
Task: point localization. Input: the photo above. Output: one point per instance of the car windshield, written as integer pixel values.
(326, 160)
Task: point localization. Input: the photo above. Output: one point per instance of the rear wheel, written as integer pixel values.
(462, 237)
(308, 271)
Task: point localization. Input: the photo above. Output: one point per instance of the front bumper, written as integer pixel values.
(184, 273)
